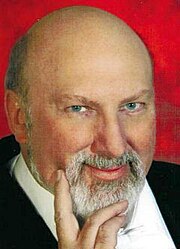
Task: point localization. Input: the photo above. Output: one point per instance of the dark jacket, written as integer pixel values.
(21, 227)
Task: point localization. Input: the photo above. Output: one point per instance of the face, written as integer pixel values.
(92, 115)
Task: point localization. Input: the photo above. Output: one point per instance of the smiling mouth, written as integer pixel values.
(109, 174)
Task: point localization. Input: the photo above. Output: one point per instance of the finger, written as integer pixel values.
(107, 234)
(66, 223)
(90, 229)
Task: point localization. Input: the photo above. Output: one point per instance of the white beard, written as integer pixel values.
(102, 194)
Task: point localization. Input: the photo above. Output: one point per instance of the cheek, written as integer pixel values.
(61, 139)
(141, 138)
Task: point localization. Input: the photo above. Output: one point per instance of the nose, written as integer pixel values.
(109, 138)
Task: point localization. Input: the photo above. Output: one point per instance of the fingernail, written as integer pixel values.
(121, 230)
(59, 175)
(124, 202)
(122, 215)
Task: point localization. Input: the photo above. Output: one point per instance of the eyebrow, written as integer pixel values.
(81, 99)
(143, 93)
(86, 101)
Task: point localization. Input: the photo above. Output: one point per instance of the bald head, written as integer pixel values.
(71, 34)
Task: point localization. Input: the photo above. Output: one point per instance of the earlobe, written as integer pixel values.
(15, 115)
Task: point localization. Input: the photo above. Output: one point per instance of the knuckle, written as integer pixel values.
(105, 239)
(103, 228)
(81, 246)
(118, 222)
(107, 233)
(58, 217)
(103, 234)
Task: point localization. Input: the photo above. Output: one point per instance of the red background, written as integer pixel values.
(157, 22)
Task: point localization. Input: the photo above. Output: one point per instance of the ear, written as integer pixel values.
(15, 115)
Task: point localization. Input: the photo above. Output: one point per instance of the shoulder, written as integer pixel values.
(9, 148)
(164, 181)
(164, 175)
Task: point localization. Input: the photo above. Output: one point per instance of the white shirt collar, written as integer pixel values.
(147, 224)
(147, 228)
(42, 199)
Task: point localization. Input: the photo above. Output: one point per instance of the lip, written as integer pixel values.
(108, 174)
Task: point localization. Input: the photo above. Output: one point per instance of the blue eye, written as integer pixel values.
(77, 108)
(132, 107)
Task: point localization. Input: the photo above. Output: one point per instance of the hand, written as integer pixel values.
(100, 229)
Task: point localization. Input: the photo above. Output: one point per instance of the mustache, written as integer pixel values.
(102, 162)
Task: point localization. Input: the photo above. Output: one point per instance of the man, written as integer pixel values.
(80, 102)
